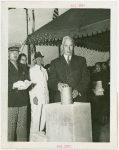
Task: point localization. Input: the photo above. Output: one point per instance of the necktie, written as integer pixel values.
(68, 60)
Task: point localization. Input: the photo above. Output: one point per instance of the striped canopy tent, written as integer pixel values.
(90, 28)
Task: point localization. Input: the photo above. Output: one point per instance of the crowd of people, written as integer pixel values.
(26, 113)
(100, 103)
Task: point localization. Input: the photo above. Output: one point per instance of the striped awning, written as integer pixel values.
(81, 24)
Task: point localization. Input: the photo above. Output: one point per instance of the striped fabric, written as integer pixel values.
(56, 13)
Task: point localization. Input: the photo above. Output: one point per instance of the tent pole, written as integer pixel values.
(29, 54)
(28, 46)
(59, 50)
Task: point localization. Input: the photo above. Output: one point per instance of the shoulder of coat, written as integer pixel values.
(79, 58)
(32, 68)
(56, 60)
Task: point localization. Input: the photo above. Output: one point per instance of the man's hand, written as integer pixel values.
(61, 85)
(35, 100)
(75, 93)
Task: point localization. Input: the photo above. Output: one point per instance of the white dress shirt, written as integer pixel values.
(65, 56)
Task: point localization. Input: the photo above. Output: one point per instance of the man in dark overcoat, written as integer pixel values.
(69, 70)
(17, 99)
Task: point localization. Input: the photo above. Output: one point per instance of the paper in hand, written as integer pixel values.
(98, 90)
(25, 85)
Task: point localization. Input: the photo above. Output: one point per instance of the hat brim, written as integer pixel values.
(39, 56)
(13, 49)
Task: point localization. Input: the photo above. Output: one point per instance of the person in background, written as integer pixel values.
(39, 95)
(107, 90)
(47, 67)
(106, 81)
(34, 61)
(22, 58)
(97, 73)
(108, 62)
(108, 69)
(98, 67)
(69, 70)
(104, 66)
(98, 103)
(93, 70)
(51, 91)
(17, 99)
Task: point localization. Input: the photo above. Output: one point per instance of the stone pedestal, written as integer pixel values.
(68, 123)
(37, 137)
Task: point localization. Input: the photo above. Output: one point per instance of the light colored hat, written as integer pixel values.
(14, 46)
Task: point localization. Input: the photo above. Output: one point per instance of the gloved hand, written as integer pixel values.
(75, 93)
(18, 84)
(35, 100)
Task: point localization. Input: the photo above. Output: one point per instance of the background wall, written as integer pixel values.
(92, 56)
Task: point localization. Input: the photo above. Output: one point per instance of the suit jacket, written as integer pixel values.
(17, 98)
(76, 75)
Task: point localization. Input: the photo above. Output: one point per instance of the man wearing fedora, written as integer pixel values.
(17, 99)
(39, 94)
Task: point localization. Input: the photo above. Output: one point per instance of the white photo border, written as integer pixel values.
(4, 74)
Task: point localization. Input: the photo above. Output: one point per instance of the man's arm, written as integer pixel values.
(10, 86)
(82, 85)
(32, 77)
(10, 82)
(26, 70)
(52, 81)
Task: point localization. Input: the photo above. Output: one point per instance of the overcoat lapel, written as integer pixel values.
(73, 63)
(12, 68)
(63, 61)
(21, 71)
(63, 64)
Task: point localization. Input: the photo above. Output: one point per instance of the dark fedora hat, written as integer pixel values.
(38, 54)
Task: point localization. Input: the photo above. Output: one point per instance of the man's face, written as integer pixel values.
(23, 60)
(98, 68)
(104, 67)
(13, 55)
(68, 47)
(39, 61)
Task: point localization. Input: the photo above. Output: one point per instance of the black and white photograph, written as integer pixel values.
(60, 83)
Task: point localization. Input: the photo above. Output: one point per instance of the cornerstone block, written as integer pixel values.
(68, 123)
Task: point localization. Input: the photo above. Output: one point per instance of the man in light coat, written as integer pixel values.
(39, 94)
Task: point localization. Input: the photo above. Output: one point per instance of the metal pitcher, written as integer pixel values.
(66, 96)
